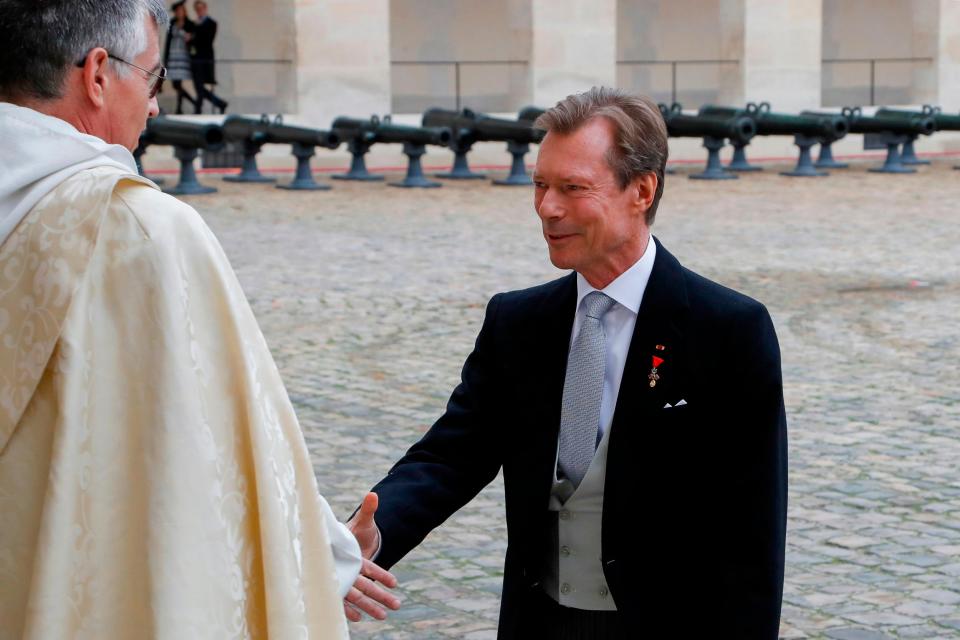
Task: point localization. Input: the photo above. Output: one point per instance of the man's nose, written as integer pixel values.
(154, 109)
(549, 206)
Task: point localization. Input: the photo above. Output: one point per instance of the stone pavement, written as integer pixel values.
(371, 297)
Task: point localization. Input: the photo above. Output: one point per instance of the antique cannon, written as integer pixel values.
(363, 134)
(713, 129)
(807, 131)
(470, 127)
(825, 159)
(908, 154)
(186, 138)
(894, 130)
(739, 160)
(254, 133)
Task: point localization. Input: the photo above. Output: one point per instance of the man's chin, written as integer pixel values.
(560, 261)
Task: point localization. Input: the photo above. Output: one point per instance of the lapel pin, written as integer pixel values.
(654, 376)
(660, 347)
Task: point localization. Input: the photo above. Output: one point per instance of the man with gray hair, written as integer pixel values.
(154, 480)
(635, 408)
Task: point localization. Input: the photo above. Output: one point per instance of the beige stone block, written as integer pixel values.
(343, 58)
(948, 56)
(573, 47)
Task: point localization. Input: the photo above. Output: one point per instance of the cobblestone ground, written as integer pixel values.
(370, 298)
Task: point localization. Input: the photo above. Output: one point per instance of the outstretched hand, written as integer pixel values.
(364, 528)
(368, 597)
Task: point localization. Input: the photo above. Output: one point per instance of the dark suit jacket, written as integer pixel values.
(694, 514)
(201, 50)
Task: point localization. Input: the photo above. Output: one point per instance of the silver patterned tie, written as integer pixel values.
(582, 390)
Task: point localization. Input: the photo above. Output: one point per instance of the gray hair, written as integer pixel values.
(44, 39)
(640, 134)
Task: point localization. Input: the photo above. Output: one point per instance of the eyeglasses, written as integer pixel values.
(156, 80)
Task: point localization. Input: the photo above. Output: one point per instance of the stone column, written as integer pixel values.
(947, 57)
(343, 59)
(574, 47)
(782, 52)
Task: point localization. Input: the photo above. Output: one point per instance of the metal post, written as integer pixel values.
(673, 82)
(456, 73)
(873, 75)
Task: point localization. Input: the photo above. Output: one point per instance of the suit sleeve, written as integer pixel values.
(753, 574)
(460, 454)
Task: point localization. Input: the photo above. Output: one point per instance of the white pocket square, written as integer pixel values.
(679, 403)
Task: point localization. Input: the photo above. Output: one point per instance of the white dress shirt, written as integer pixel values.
(618, 325)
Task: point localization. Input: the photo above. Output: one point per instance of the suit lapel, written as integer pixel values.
(553, 327)
(661, 321)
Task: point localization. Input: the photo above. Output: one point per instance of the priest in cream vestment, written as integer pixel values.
(154, 481)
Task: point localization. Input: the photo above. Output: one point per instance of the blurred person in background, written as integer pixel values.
(204, 60)
(176, 55)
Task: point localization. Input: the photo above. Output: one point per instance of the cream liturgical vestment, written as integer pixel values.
(154, 481)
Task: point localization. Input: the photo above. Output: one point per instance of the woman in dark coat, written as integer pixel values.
(176, 56)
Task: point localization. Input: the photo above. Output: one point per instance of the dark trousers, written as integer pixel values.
(203, 75)
(183, 94)
(203, 93)
(543, 617)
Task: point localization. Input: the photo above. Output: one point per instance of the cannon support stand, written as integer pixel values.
(714, 169)
(415, 177)
(188, 186)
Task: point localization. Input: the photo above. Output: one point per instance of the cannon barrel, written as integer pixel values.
(531, 113)
(832, 127)
(376, 130)
(239, 128)
(467, 124)
(941, 121)
(179, 133)
(946, 121)
(262, 131)
(289, 134)
(679, 125)
(718, 111)
(344, 123)
(828, 127)
(353, 129)
(911, 124)
(414, 135)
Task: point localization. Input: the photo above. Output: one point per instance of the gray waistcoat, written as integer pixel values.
(574, 573)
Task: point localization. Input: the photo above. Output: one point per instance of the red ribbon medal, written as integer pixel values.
(654, 376)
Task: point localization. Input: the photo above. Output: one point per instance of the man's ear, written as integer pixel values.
(643, 189)
(95, 76)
